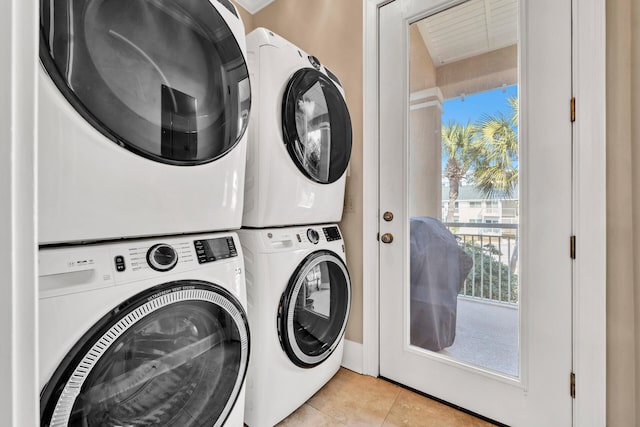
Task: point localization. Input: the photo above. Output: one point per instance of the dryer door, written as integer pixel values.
(316, 126)
(314, 309)
(164, 79)
(174, 355)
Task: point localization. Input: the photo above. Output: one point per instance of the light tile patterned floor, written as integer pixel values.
(353, 400)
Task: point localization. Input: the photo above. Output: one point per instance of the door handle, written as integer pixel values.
(388, 216)
(387, 238)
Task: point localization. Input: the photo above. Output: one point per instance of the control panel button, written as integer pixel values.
(120, 265)
(162, 257)
(313, 236)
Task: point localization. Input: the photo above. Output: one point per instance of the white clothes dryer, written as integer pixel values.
(143, 332)
(299, 137)
(299, 295)
(143, 107)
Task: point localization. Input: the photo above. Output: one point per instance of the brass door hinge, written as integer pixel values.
(573, 385)
(572, 247)
(573, 109)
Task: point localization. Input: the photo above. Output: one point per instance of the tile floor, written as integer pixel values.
(350, 399)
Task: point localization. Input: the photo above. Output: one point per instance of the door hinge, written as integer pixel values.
(573, 385)
(573, 109)
(572, 247)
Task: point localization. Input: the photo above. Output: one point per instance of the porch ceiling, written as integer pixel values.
(472, 28)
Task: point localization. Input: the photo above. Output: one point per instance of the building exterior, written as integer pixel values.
(472, 207)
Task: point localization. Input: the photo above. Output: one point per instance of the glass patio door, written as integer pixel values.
(475, 204)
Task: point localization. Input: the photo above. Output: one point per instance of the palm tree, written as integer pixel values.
(496, 170)
(458, 147)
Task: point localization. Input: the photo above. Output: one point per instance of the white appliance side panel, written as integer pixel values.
(277, 193)
(288, 385)
(91, 189)
(273, 240)
(271, 373)
(65, 317)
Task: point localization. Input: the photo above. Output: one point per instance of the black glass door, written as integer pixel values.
(163, 78)
(175, 355)
(314, 309)
(316, 126)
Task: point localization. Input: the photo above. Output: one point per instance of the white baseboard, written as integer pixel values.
(352, 356)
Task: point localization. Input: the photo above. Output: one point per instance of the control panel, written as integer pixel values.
(331, 234)
(210, 250)
(139, 256)
(75, 269)
(303, 237)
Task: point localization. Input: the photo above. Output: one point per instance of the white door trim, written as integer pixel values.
(19, 390)
(589, 219)
(589, 296)
(370, 192)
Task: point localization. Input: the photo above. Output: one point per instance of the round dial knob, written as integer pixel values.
(314, 61)
(313, 236)
(162, 257)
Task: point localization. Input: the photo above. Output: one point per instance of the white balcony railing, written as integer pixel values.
(494, 275)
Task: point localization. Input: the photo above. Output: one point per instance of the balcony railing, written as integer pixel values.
(494, 275)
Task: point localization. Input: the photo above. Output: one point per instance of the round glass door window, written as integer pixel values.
(314, 309)
(316, 126)
(175, 355)
(164, 79)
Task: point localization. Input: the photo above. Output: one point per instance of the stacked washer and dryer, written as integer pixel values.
(143, 108)
(298, 286)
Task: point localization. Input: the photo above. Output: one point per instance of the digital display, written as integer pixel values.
(331, 233)
(218, 247)
(215, 249)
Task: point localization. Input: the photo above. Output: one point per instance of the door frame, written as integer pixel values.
(589, 205)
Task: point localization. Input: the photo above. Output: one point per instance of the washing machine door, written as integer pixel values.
(175, 355)
(316, 126)
(165, 79)
(314, 308)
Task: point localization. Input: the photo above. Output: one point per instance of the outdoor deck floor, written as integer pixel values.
(486, 336)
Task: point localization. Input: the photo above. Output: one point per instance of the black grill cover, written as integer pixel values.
(438, 270)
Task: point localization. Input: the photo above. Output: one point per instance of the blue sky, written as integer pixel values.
(474, 106)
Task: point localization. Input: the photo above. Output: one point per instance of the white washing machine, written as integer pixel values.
(143, 107)
(299, 137)
(298, 294)
(143, 332)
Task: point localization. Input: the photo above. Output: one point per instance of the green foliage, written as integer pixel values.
(489, 278)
